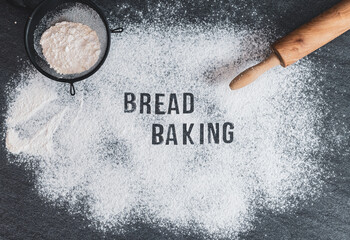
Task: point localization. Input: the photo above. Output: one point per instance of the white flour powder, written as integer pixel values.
(70, 48)
(86, 151)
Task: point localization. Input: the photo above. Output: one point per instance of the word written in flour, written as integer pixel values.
(161, 104)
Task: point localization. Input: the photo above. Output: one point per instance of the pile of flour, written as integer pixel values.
(70, 48)
(85, 151)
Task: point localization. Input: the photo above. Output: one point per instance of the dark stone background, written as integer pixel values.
(23, 215)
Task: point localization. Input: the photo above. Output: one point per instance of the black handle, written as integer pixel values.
(72, 89)
(117, 30)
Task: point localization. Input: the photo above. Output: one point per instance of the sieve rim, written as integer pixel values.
(67, 80)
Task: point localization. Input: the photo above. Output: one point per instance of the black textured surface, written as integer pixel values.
(23, 215)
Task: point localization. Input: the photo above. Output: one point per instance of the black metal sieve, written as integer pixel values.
(48, 13)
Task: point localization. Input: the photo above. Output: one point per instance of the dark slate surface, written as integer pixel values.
(23, 215)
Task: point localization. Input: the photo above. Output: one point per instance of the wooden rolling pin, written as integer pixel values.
(301, 42)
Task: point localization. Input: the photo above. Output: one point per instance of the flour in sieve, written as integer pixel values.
(70, 48)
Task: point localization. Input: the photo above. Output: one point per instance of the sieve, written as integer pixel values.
(50, 12)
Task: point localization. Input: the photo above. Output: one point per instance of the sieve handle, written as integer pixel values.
(117, 30)
(72, 89)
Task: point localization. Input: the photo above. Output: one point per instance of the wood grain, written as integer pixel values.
(314, 34)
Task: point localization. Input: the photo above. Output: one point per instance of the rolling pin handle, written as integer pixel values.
(252, 73)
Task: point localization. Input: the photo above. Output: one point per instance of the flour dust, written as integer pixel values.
(86, 151)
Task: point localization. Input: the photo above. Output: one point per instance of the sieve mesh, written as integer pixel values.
(72, 12)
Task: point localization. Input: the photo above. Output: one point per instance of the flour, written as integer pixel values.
(70, 48)
(88, 152)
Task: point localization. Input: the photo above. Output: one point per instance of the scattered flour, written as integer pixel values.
(89, 152)
(70, 48)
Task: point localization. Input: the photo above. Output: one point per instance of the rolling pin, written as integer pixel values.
(301, 42)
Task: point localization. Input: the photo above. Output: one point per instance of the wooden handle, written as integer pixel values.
(254, 72)
(301, 42)
(313, 35)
